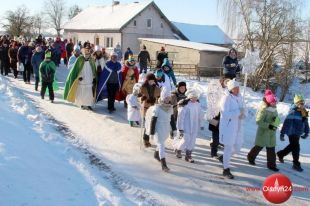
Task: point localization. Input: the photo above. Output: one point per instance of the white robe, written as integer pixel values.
(133, 114)
(84, 92)
(162, 128)
(190, 120)
(231, 130)
(167, 84)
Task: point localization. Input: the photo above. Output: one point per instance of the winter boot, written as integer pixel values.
(156, 155)
(275, 169)
(164, 165)
(178, 153)
(131, 123)
(251, 162)
(147, 143)
(297, 168)
(188, 156)
(227, 174)
(220, 158)
(137, 123)
(280, 158)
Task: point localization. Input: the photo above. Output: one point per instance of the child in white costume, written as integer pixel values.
(160, 124)
(133, 109)
(190, 119)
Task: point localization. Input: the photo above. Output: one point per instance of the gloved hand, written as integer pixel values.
(94, 81)
(80, 78)
(282, 137)
(271, 127)
(181, 133)
(304, 136)
(143, 98)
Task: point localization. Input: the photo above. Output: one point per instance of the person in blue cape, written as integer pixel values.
(109, 82)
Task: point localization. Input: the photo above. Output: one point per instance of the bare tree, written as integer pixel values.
(39, 23)
(55, 10)
(18, 21)
(73, 11)
(266, 25)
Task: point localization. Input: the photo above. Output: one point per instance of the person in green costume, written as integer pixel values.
(47, 71)
(81, 82)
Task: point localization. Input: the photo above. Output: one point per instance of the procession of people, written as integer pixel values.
(156, 102)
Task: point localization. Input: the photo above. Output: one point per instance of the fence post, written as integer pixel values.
(198, 72)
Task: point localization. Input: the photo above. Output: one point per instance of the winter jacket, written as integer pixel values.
(47, 71)
(116, 68)
(13, 57)
(24, 55)
(127, 54)
(160, 58)
(190, 118)
(171, 75)
(161, 122)
(143, 58)
(231, 131)
(176, 96)
(228, 69)
(265, 116)
(36, 60)
(295, 124)
(149, 96)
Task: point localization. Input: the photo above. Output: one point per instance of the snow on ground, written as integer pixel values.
(103, 155)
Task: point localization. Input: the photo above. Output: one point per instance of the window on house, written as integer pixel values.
(108, 42)
(97, 41)
(149, 23)
(134, 23)
(161, 25)
(111, 41)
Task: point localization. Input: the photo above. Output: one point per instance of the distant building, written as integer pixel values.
(208, 34)
(206, 56)
(121, 23)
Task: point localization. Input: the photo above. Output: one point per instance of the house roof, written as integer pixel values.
(210, 34)
(187, 44)
(103, 18)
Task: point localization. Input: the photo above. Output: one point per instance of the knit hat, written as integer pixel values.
(150, 76)
(162, 48)
(86, 45)
(298, 98)
(191, 93)
(232, 84)
(270, 97)
(159, 73)
(113, 53)
(181, 84)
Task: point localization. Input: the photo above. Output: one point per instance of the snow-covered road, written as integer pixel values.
(101, 156)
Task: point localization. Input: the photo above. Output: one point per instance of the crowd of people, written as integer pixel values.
(155, 100)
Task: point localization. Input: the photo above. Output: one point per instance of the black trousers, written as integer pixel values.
(50, 89)
(27, 72)
(36, 83)
(293, 147)
(5, 66)
(271, 155)
(112, 89)
(215, 142)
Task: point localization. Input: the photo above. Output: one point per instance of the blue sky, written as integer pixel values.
(188, 11)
